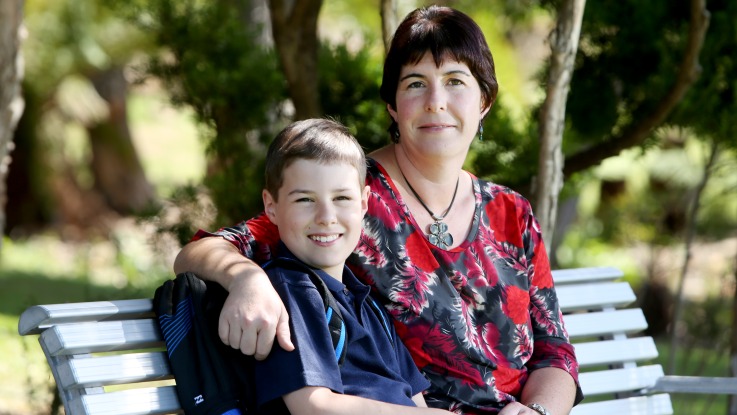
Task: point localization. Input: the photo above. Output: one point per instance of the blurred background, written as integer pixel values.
(146, 120)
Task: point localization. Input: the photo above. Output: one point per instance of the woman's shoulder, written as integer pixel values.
(492, 188)
(497, 193)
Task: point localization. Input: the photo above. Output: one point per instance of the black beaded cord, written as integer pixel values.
(438, 234)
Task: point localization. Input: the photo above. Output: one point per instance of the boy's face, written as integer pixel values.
(319, 212)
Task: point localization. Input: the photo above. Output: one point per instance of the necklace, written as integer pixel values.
(438, 234)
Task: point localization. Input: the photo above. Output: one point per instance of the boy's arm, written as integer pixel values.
(419, 400)
(318, 400)
(253, 312)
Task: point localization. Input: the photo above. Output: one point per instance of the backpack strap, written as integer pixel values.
(336, 325)
(381, 313)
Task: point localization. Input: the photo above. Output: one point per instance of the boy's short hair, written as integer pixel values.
(319, 139)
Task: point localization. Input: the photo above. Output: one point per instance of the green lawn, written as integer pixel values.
(699, 362)
(42, 271)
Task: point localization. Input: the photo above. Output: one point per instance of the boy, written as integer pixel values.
(315, 194)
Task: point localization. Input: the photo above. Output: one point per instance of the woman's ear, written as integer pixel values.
(269, 206)
(485, 111)
(392, 112)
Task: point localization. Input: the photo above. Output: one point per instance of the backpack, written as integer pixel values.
(211, 377)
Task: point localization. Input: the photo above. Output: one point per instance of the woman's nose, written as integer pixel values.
(437, 99)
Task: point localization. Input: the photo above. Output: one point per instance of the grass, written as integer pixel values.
(44, 270)
(699, 361)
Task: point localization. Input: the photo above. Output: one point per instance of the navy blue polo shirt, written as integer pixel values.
(376, 366)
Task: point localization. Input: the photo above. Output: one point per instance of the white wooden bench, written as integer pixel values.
(105, 356)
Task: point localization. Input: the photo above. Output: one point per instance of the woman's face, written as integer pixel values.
(438, 108)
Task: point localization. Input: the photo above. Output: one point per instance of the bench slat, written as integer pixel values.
(114, 370)
(105, 336)
(594, 296)
(590, 274)
(651, 405)
(149, 401)
(608, 352)
(619, 380)
(39, 317)
(696, 384)
(603, 323)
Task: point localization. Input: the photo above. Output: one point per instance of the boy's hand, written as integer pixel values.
(252, 315)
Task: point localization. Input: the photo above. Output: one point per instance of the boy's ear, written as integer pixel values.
(364, 199)
(269, 206)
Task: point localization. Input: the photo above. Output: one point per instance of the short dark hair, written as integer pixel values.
(323, 140)
(445, 33)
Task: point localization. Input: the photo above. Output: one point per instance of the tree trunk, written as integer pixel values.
(644, 124)
(294, 24)
(11, 99)
(116, 167)
(389, 22)
(690, 234)
(564, 45)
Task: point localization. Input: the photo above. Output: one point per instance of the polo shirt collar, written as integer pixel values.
(359, 290)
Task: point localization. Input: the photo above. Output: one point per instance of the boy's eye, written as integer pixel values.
(303, 199)
(343, 198)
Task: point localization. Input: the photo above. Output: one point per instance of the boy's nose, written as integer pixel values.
(325, 214)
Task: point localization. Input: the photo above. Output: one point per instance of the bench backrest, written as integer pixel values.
(107, 357)
(614, 358)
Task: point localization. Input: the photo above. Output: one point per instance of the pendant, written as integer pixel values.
(439, 235)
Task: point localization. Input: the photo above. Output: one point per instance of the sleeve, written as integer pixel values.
(255, 238)
(552, 347)
(312, 363)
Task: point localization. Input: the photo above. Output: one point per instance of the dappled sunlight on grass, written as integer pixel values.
(45, 270)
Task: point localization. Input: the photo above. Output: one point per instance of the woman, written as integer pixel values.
(458, 261)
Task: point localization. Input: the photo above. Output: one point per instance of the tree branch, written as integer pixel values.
(635, 134)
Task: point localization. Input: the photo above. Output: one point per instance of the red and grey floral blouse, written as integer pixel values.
(477, 318)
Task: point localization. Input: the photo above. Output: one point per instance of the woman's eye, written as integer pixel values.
(455, 82)
(416, 84)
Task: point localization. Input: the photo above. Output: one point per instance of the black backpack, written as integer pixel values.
(212, 378)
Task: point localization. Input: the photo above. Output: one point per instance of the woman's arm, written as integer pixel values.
(253, 312)
(322, 401)
(550, 387)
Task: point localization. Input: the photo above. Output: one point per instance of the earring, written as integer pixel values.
(394, 132)
(481, 131)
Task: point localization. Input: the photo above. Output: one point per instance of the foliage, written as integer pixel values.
(67, 42)
(75, 37)
(609, 90)
(212, 62)
(709, 106)
(505, 155)
(349, 92)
